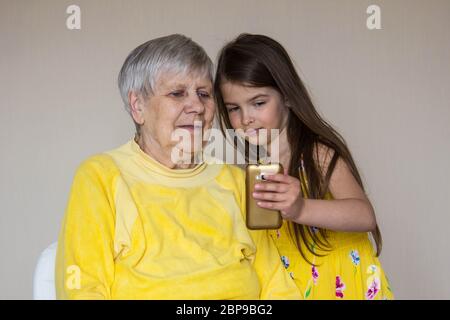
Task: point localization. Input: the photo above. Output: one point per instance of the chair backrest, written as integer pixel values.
(44, 275)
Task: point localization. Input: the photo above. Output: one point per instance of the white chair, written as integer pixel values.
(44, 275)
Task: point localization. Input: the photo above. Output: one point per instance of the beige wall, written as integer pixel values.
(387, 91)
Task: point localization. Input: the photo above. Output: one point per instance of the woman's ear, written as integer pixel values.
(136, 107)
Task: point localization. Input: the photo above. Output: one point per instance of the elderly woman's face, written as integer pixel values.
(176, 103)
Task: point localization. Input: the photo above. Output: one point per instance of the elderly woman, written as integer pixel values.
(143, 224)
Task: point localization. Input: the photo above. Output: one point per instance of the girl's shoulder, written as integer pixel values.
(323, 155)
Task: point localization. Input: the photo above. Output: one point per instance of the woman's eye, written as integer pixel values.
(176, 94)
(260, 103)
(203, 94)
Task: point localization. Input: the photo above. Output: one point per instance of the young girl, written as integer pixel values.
(324, 241)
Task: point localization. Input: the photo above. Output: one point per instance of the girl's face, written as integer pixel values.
(253, 108)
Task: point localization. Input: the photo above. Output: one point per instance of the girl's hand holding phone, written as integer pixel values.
(280, 192)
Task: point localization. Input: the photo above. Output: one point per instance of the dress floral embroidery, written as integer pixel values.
(373, 282)
(314, 229)
(285, 261)
(340, 286)
(315, 274)
(355, 257)
(374, 288)
(349, 271)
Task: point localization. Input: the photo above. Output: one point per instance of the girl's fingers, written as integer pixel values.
(267, 205)
(278, 178)
(274, 187)
(269, 196)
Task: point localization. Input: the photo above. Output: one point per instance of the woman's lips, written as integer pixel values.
(190, 128)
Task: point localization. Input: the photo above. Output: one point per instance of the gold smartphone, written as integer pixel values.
(257, 217)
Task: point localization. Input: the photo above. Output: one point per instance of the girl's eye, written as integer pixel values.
(260, 103)
(232, 109)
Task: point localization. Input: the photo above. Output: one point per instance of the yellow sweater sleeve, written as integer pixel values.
(275, 280)
(85, 255)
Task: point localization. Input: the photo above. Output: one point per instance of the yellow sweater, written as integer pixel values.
(134, 229)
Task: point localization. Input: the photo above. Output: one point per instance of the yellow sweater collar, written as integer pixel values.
(161, 169)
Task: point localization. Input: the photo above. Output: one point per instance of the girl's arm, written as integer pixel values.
(350, 210)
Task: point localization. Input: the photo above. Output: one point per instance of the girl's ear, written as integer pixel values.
(287, 103)
(136, 107)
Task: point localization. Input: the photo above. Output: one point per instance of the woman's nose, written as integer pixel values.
(194, 104)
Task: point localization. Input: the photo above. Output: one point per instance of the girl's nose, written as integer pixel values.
(247, 119)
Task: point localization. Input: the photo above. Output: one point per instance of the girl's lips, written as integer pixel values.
(252, 132)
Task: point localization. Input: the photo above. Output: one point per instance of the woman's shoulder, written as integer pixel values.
(230, 173)
(100, 165)
(236, 171)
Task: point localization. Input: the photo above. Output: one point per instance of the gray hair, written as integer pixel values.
(144, 65)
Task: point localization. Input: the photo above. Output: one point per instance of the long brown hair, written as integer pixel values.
(259, 61)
